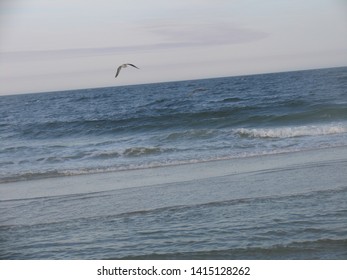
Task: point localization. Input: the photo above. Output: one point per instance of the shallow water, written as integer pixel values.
(250, 210)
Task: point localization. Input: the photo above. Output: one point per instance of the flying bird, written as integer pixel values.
(124, 66)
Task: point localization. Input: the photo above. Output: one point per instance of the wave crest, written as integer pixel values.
(288, 132)
(140, 151)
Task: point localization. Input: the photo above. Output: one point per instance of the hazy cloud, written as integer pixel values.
(206, 33)
(169, 36)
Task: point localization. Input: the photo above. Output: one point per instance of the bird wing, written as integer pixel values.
(118, 70)
(133, 65)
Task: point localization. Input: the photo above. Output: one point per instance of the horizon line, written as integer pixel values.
(171, 81)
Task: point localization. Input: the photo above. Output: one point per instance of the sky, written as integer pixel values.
(73, 44)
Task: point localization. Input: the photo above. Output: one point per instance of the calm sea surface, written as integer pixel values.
(148, 127)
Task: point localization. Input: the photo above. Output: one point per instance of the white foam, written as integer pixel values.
(296, 131)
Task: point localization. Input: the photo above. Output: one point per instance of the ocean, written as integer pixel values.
(247, 167)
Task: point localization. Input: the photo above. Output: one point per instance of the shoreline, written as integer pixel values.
(54, 175)
(117, 180)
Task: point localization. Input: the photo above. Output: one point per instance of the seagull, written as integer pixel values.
(124, 66)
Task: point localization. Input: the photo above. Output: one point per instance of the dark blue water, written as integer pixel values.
(121, 128)
(295, 207)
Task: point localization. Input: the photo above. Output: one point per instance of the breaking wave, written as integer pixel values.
(296, 131)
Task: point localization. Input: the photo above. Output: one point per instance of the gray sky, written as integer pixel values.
(68, 44)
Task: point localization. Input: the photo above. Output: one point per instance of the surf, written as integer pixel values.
(294, 131)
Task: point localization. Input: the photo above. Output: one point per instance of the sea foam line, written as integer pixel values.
(296, 131)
